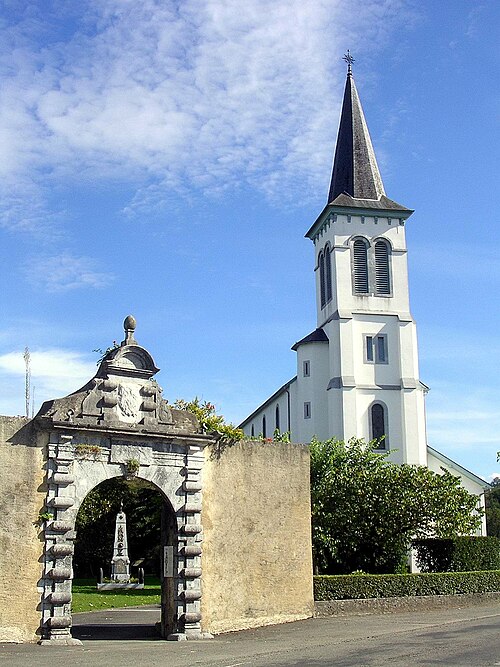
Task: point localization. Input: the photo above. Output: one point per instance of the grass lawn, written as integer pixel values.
(86, 597)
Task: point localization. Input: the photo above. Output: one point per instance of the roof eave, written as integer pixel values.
(269, 400)
(459, 468)
(402, 214)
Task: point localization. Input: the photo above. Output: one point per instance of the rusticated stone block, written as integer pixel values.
(59, 622)
(191, 594)
(59, 573)
(60, 597)
(109, 400)
(192, 486)
(62, 478)
(191, 617)
(60, 526)
(191, 528)
(62, 550)
(191, 550)
(191, 572)
(62, 502)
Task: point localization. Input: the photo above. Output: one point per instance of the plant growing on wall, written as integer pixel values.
(85, 451)
(104, 353)
(133, 466)
(210, 422)
(366, 509)
(44, 516)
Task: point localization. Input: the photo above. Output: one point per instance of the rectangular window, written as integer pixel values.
(307, 410)
(306, 368)
(369, 348)
(376, 349)
(381, 349)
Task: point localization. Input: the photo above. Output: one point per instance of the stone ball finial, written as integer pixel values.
(129, 323)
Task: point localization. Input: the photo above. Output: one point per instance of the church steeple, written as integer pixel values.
(355, 170)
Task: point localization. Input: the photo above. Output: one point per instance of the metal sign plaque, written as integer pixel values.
(168, 561)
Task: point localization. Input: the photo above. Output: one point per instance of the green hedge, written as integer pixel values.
(460, 554)
(355, 586)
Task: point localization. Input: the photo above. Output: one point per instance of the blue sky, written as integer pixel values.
(166, 158)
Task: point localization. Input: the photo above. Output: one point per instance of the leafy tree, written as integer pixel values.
(95, 525)
(366, 510)
(492, 501)
(211, 422)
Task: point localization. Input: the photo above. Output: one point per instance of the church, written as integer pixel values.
(357, 372)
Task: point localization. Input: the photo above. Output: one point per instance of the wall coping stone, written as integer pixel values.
(360, 607)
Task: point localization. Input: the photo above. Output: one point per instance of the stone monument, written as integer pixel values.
(120, 563)
(120, 572)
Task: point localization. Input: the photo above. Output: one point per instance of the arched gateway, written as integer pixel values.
(239, 559)
(118, 425)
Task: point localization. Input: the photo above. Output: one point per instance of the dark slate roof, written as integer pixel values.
(382, 204)
(317, 336)
(355, 170)
(272, 398)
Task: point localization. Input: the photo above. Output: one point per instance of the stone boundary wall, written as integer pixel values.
(22, 497)
(404, 604)
(257, 564)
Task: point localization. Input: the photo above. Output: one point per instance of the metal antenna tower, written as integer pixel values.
(27, 383)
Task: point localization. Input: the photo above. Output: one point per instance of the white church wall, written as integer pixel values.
(311, 390)
(390, 399)
(376, 372)
(414, 437)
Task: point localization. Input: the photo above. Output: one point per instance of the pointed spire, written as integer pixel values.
(355, 170)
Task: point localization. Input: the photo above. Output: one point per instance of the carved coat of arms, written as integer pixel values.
(129, 402)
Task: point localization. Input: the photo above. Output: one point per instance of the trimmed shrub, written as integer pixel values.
(459, 554)
(362, 586)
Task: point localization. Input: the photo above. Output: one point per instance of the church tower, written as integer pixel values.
(357, 373)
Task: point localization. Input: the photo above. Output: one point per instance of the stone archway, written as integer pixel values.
(118, 424)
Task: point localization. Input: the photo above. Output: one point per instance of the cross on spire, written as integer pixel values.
(349, 60)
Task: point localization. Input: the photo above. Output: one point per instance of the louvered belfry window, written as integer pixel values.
(382, 273)
(360, 267)
(322, 279)
(328, 274)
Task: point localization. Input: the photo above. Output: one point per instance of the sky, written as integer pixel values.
(165, 159)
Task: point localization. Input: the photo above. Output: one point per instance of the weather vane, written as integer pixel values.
(349, 60)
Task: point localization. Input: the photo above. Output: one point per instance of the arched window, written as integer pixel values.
(378, 424)
(360, 266)
(325, 275)
(328, 274)
(382, 269)
(264, 426)
(253, 432)
(321, 261)
(277, 421)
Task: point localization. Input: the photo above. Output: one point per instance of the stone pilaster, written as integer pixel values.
(59, 539)
(190, 539)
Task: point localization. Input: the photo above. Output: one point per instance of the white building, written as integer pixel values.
(357, 372)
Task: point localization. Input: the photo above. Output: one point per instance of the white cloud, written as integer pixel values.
(65, 272)
(54, 373)
(201, 93)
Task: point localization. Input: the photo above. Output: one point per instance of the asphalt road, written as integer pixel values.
(453, 638)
